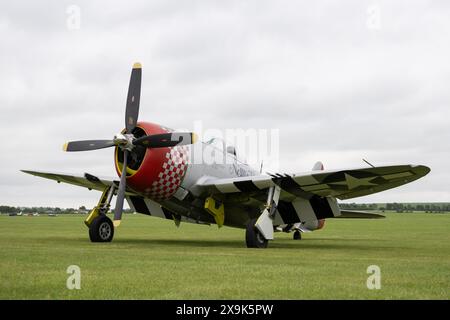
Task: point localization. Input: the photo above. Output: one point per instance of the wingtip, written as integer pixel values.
(426, 169)
(137, 65)
(30, 172)
(65, 146)
(421, 170)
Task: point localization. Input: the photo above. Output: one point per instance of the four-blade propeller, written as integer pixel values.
(127, 141)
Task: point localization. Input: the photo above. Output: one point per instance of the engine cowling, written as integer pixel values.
(156, 173)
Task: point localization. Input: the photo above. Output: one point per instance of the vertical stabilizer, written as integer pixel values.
(318, 166)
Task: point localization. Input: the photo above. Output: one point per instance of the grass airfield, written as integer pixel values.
(152, 259)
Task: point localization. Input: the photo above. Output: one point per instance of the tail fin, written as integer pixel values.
(318, 166)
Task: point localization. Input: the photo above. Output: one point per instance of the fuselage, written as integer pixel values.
(168, 176)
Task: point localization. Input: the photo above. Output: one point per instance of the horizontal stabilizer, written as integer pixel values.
(346, 214)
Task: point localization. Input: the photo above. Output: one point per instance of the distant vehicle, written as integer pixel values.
(36, 214)
(52, 215)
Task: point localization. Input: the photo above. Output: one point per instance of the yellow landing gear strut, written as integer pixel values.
(102, 206)
(216, 209)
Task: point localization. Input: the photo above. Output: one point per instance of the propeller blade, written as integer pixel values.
(121, 192)
(133, 98)
(166, 140)
(86, 145)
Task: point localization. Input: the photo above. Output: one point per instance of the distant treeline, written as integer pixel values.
(48, 210)
(399, 207)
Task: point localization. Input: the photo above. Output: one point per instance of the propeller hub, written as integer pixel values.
(124, 141)
(127, 142)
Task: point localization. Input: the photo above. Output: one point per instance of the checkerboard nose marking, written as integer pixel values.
(171, 175)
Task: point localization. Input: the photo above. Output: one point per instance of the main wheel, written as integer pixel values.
(297, 235)
(101, 229)
(253, 237)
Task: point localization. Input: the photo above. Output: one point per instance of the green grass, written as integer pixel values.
(151, 259)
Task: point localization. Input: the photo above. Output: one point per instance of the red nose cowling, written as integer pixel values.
(161, 171)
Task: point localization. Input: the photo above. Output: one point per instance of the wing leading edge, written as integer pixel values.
(87, 181)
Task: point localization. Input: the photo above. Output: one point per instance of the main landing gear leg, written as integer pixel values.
(260, 230)
(101, 228)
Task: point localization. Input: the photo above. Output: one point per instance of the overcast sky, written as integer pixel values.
(341, 80)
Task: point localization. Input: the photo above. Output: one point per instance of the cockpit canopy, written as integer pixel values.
(220, 144)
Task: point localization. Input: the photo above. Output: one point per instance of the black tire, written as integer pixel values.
(253, 237)
(101, 229)
(297, 235)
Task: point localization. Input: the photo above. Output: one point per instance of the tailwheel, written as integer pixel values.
(253, 237)
(297, 235)
(101, 229)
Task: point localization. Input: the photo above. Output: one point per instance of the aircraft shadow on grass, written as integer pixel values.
(316, 243)
(237, 244)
